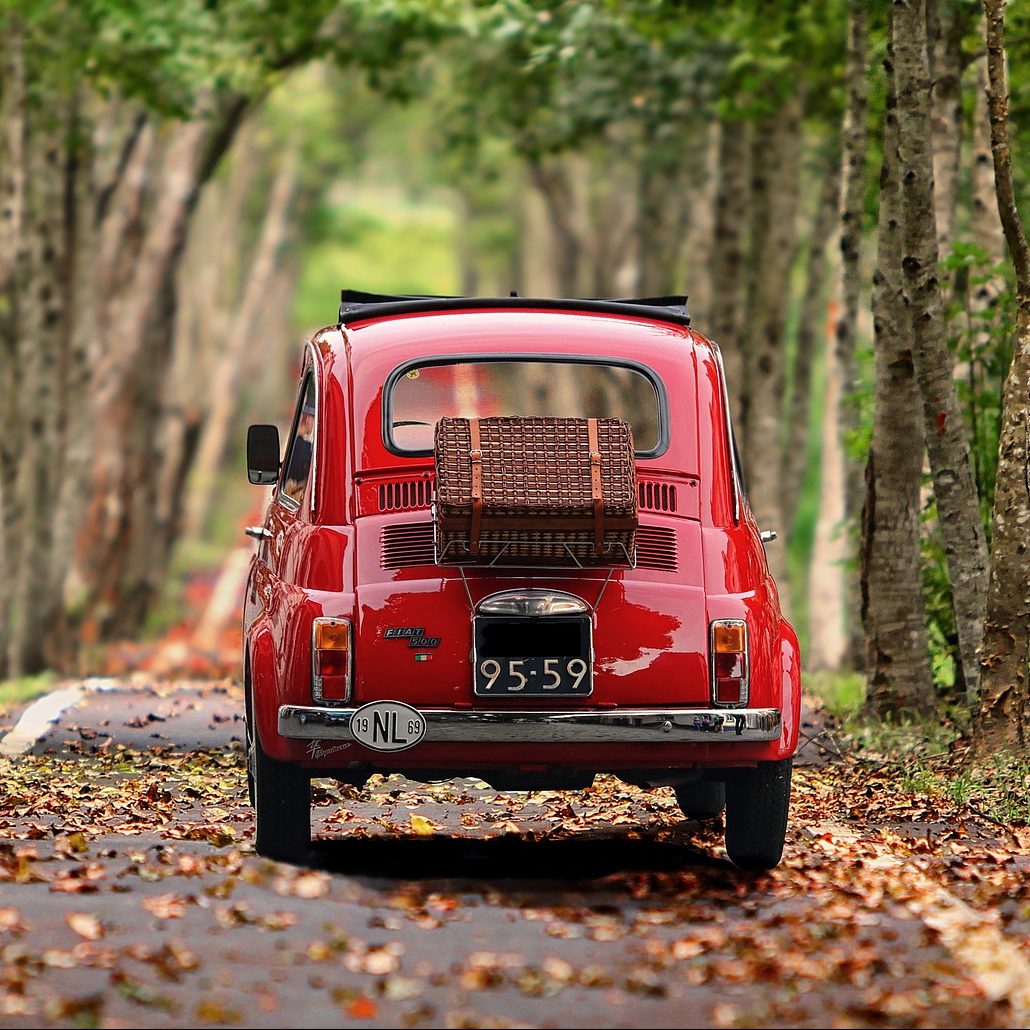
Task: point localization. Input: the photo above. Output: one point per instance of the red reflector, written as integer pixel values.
(334, 688)
(727, 691)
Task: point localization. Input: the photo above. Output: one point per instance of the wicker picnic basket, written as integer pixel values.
(535, 491)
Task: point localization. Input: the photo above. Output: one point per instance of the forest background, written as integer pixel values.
(186, 186)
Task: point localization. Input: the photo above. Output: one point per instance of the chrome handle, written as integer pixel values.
(258, 532)
(767, 536)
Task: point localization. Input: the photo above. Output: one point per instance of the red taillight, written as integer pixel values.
(331, 659)
(729, 662)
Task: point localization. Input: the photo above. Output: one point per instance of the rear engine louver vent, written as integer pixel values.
(656, 548)
(412, 544)
(657, 496)
(407, 545)
(405, 494)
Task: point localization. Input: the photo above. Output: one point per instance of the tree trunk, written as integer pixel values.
(700, 233)
(826, 638)
(947, 27)
(116, 567)
(811, 334)
(958, 507)
(897, 649)
(12, 258)
(552, 181)
(854, 143)
(224, 390)
(1002, 718)
(775, 161)
(729, 255)
(984, 224)
(662, 216)
(40, 360)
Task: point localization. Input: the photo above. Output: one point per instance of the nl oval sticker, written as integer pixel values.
(387, 726)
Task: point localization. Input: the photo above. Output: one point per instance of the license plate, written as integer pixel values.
(533, 657)
(537, 676)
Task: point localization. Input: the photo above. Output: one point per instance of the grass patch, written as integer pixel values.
(930, 758)
(15, 692)
(998, 790)
(843, 694)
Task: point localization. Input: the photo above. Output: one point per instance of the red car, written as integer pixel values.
(365, 651)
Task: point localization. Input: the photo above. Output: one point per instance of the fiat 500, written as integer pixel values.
(366, 652)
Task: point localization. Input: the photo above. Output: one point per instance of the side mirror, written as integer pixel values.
(263, 455)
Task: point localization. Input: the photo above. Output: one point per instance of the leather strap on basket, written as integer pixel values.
(596, 488)
(476, 460)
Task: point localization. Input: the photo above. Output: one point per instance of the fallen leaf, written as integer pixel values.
(85, 924)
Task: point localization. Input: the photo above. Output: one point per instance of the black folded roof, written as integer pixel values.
(355, 305)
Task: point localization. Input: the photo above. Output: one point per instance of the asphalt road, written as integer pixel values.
(130, 896)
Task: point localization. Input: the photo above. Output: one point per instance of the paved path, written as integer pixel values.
(129, 896)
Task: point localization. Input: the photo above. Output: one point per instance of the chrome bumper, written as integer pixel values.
(617, 726)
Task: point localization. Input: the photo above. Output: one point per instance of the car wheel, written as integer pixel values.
(705, 800)
(282, 806)
(756, 814)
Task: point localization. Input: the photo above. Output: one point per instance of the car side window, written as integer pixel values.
(301, 447)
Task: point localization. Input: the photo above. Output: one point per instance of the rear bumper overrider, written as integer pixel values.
(622, 726)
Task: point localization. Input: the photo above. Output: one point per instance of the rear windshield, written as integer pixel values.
(419, 395)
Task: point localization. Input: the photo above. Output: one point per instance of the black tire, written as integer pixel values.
(756, 814)
(705, 800)
(282, 807)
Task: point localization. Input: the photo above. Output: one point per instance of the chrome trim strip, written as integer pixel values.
(622, 726)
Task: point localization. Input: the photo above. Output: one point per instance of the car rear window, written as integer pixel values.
(418, 395)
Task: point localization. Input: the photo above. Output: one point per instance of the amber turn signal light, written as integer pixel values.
(729, 636)
(332, 635)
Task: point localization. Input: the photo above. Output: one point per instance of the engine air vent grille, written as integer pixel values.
(407, 545)
(657, 496)
(656, 548)
(405, 494)
(411, 545)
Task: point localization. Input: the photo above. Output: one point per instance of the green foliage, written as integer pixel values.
(843, 694)
(980, 315)
(383, 241)
(15, 692)
(981, 321)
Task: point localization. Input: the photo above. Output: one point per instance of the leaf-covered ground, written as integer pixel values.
(130, 895)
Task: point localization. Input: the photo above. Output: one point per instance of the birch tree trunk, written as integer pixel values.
(1002, 718)
(729, 257)
(984, 224)
(775, 160)
(958, 507)
(897, 655)
(948, 23)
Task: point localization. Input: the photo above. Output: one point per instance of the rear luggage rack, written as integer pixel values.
(357, 306)
(520, 554)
